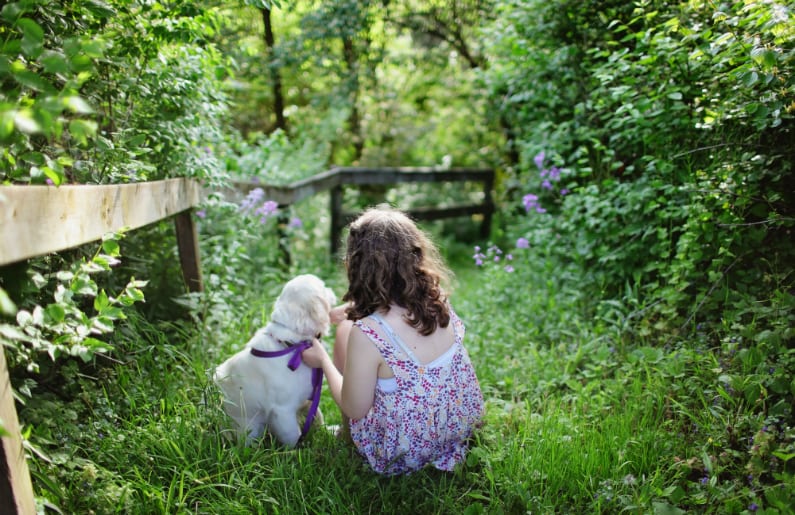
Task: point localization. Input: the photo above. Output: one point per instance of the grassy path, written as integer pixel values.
(569, 428)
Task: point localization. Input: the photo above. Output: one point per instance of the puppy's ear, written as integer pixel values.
(318, 309)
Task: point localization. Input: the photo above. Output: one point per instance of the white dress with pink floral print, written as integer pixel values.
(426, 414)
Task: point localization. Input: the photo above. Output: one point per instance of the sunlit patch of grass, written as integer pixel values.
(577, 421)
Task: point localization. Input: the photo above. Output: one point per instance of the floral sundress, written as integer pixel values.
(428, 413)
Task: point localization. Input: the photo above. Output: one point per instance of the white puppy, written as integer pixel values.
(263, 393)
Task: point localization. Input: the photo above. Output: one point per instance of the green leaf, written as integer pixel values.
(102, 324)
(135, 294)
(764, 57)
(112, 313)
(82, 130)
(24, 121)
(32, 37)
(13, 10)
(100, 9)
(11, 332)
(38, 280)
(33, 81)
(54, 62)
(101, 301)
(95, 345)
(6, 123)
(93, 48)
(749, 78)
(56, 177)
(111, 247)
(56, 312)
(663, 508)
(783, 456)
(76, 104)
(7, 306)
(64, 276)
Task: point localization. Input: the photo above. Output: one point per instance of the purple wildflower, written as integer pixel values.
(509, 268)
(295, 223)
(49, 181)
(478, 256)
(564, 191)
(546, 184)
(539, 160)
(496, 259)
(268, 208)
(554, 173)
(201, 213)
(522, 243)
(753, 506)
(253, 198)
(704, 480)
(530, 201)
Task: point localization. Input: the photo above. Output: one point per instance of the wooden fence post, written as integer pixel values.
(282, 221)
(16, 490)
(337, 221)
(488, 203)
(188, 247)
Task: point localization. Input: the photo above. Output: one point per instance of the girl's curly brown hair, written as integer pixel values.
(390, 260)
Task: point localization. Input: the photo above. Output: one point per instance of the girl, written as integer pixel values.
(400, 372)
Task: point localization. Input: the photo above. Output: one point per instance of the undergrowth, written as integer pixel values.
(580, 419)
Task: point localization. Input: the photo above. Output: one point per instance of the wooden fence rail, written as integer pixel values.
(38, 220)
(338, 177)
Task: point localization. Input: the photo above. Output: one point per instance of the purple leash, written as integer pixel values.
(293, 364)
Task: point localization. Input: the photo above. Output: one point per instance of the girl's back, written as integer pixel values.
(426, 410)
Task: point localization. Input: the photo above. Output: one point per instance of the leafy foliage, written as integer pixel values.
(111, 92)
(677, 175)
(636, 347)
(65, 311)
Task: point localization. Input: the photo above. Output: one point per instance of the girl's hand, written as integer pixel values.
(337, 314)
(315, 355)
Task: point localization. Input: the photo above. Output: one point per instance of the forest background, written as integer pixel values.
(630, 318)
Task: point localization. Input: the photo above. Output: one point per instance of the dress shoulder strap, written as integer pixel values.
(378, 337)
(392, 336)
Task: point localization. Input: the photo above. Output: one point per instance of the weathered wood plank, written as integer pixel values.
(296, 191)
(37, 220)
(299, 190)
(188, 247)
(398, 175)
(16, 490)
(433, 213)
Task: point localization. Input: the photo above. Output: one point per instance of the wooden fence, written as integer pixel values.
(38, 220)
(338, 177)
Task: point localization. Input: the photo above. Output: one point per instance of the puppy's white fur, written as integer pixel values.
(263, 394)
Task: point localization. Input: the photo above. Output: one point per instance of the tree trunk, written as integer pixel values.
(276, 79)
(351, 60)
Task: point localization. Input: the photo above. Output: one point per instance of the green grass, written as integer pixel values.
(578, 421)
